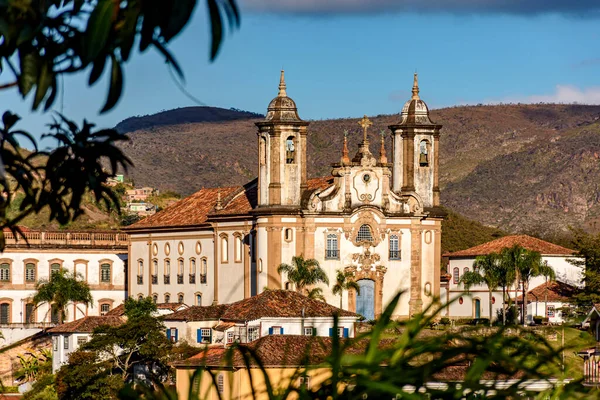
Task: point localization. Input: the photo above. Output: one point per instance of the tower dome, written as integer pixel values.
(282, 107)
(415, 111)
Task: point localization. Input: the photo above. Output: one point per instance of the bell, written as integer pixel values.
(423, 162)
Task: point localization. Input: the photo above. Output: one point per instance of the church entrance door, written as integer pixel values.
(478, 308)
(365, 300)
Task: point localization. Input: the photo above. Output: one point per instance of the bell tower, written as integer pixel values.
(415, 157)
(281, 153)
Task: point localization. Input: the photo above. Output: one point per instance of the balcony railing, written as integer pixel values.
(154, 279)
(167, 279)
(202, 278)
(179, 279)
(71, 239)
(140, 279)
(332, 254)
(394, 254)
(192, 278)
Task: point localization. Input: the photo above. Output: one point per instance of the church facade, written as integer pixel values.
(376, 217)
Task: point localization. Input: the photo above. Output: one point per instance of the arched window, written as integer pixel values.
(192, 270)
(224, 248)
(290, 150)
(288, 286)
(105, 273)
(54, 268)
(30, 272)
(465, 270)
(154, 271)
(203, 270)
(140, 268)
(394, 247)
(155, 298)
(180, 271)
(140, 297)
(364, 234)
(180, 298)
(167, 277)
(198, 299)
(332, 250)
(239, 248)
(424, 153)
(5, 272)
(167, 298)
(455, 275)
(288, 235)
(4, 313)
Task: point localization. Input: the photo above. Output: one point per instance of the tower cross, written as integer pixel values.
(365, 123)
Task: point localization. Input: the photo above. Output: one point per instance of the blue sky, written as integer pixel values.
(345, 58)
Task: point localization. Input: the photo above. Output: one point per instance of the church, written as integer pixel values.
(375, 217)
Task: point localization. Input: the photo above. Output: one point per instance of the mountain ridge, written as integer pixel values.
(497, 162)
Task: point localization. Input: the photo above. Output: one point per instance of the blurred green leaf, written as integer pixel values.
(116, 85)
(98, 30)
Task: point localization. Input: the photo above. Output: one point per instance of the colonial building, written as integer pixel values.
(272, 312)
(376, 217)
(99, 258)
(475, 303)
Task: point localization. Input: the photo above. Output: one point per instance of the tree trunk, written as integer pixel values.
(341, 298)
(546, 299)
(490, 301)
(524, 304)
(504, 305)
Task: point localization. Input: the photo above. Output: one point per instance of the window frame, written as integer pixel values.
(230, 337)
(456, 275)
(394, 247)
(224, 248)
(66, 342)
(103, 264)
(360, 232)
(551, 314)
(8, 304)
(255, 335)
(34, 262)
(203, 335)
(333, 239)
(8, 263)
(204, 270)
(311, 332)
(278, 328)
(238, 247)
(102, 305)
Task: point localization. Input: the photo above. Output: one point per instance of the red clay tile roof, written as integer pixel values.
(281, 304)
(528, 242)
(557, 292)
(87, 324)
(170, 306)
(117, 311)
(195, 209)
(199, 313)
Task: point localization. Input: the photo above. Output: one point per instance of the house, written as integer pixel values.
(376, 218)
(475, 303)
(555, 294)
(272, 312)
(67, 338)
(141, 194)
(162, 309)
(97, 257)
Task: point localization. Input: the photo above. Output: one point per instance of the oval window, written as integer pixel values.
(198, 247)
(167, 248)
(180, 248)
(155, 249)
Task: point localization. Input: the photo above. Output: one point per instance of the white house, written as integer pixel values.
(475, 303)
(67, 338)
(272, 312)
(547, 300)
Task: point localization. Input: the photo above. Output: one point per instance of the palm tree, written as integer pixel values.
(508, 276)
(486, 270)
(548, 273)
(303, 273)
(59, 291)
(513, 258)
(344, 281)
(316, 294)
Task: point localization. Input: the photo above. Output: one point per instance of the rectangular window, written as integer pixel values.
(455, 275)
(239, 248)
(30, 273)
(304, 382)
(140, 279)
(276, 330)
(229, 337)
(5, 272)
(340, 332)
(309, 331)
(66, 340)
(253, 333)
(332, 251)
(4, 313)
(205, 335)
(105, 273)
(55, 344)
(29, 313)
(54, 268)
(224, 249)
(203, 270)
(394, 247)
(104, 308)
(551, 311)
(81, 340)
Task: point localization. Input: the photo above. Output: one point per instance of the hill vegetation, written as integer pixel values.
(518, 168)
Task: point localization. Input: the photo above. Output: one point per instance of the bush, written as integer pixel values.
(445, 321)
(537, 319)
(511, 315)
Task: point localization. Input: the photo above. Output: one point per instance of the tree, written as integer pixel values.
(114, 351)
(303, 273)
(315, 293)
(62, 289)
(588, 259)
(43, 41)
(486, 270)
(33, 365)
(507, 276)
(343, 282)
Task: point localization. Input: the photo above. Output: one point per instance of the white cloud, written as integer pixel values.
(568, 94)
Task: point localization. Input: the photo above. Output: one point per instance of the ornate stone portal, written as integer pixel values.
(366, 269)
